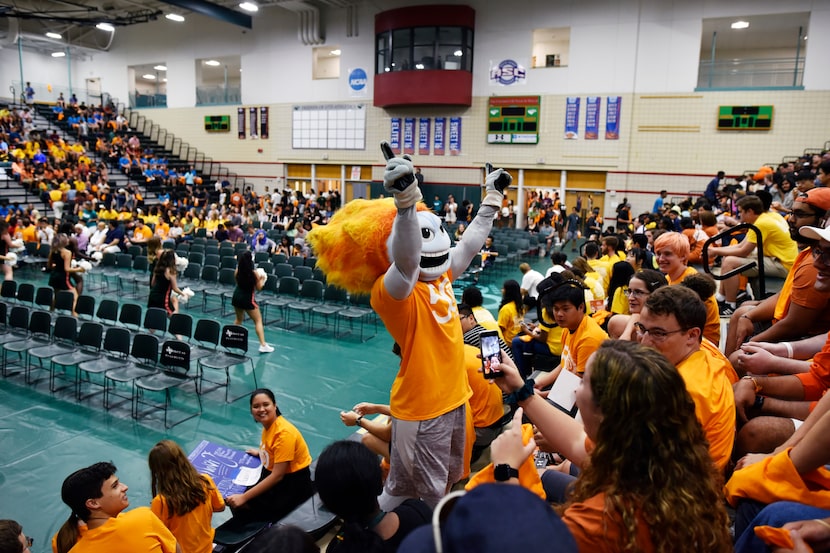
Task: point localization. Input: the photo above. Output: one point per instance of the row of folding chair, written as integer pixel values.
(142, 363)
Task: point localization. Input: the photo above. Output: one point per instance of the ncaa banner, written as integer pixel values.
(592, 105)
(423, 135)
(612, 118)
(438, 137)
(572, 118)
(455, 136)
(409, 135)
(395, 135)
(358, 81)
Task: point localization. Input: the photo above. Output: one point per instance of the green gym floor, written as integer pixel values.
(47, 436)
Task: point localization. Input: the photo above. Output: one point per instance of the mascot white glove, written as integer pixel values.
(399, 180)
(495, 184)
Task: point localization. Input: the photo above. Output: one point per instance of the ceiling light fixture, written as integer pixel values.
(213, 63)
(149, 77)
(336, 52)
(56, 36)
(160, 67)
(105, 27)
(175, 17)
(740, 25)
(458, 53)
(249, 7)
(58, 54)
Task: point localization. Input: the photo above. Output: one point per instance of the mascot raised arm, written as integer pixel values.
(400, 252)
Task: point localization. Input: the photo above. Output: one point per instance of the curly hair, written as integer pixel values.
(651, 459)
(175, 479)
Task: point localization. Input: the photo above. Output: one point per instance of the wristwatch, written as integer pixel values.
(358, 419)
(504, 472)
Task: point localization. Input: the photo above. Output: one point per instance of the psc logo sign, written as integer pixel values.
(507, 72)
(357, 79)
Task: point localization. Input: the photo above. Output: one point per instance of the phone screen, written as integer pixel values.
(490, 355)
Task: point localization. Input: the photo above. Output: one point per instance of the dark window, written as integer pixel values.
(423, 48)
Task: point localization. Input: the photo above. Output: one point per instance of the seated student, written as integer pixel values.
(647, 482)
(511, 310)
(779, 252)
(472, 329)
(485, 406)
(672, 252)
(696, 239)
(616, 298)
(12, 538)
(798, 309)
(672, 322)
(639, 288)
(286, 479)
(472, 296)
(96, 496)
(591, 251)
(348, 479)
(581, 335)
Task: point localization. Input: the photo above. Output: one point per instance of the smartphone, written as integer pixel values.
(490, 354)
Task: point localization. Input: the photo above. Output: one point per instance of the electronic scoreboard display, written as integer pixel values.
(513, 120)
(744, 118)
(217, 123)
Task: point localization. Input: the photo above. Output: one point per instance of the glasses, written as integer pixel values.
(636, 293)
(657, 334)
(819, 253)
(802, 214)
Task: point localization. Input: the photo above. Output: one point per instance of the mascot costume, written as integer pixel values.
(399, 252)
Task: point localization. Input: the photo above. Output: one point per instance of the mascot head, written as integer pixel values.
(352, 248)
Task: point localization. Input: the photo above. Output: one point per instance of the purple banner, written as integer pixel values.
(592, 106)
(572, 118)
(612, 118)
(409, 135)
(423, 135)
(455, 136)
(438, 139)
(240, 122)
(224, 464)
(395, 135)
(263, 122)
(254, 123)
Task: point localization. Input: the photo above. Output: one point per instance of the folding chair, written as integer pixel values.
(359, 311)
(174, 372)
(64, 302)
(334, 301)
(115, 353)
(155, 319)
(26, 294)
(85, 307)
(17, 328)
(107, 312)
(87, 348)
(287, 291)
(143, 361)
(63, 341)
(227, 280)
(39, 334)
(205, 338)
(130, 316)
(8, 291)
(44, 296)
(311, 295)
(234, 340)
(302, 273)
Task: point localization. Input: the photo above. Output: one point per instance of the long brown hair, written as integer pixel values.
(175, 479)
(651, 458)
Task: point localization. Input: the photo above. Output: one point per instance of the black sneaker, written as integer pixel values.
(725, 309)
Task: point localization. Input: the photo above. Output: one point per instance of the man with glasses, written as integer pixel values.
(472, 329)
(778, 248)
(12, 538)
(773, 407)
(672, 322)
(798, 309)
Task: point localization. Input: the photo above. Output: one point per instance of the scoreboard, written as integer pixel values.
(217, 123)
(744, 118)
(513, 120)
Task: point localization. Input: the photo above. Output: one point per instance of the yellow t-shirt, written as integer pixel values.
(777, 240)
(281, 443)
(706, 381)
(554, 337)
(486, 319)
(192, 530)
(620, 302)
(486, 404)
(578, 346)
(431, 380)
(510, 321)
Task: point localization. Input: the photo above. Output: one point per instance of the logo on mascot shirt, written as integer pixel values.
(441, 300)
(508, 72)
(357, 79)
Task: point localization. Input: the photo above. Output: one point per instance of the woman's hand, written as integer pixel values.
(509, 448)
(253, 452)
(235, 501)
(816, 533)
(365, 408)
(349, 418)
(512, 379)
(751, 459)
(756, 360)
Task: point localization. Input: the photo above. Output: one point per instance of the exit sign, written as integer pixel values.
(744, 118)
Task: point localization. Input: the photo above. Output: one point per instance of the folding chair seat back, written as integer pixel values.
(181, 324)
(8, 290)
(302, 273)
(26, 293)
(130, 315)
(155, 318)
(85, 306)
(44, 297)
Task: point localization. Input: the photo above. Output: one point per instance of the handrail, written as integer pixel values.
(759, 240)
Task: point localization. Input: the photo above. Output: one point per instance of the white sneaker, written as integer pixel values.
(266, 348)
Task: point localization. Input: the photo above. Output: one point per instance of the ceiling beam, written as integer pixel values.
(214, 10)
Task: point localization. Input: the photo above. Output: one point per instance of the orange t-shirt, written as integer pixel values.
(597, 530)
(282, 443)
(432, 380)
(798, 288)
(528, 474)
(817, 380)
(578, 346)
(486, 404)
(135, 530)
(193, 530)
(711, 331)
(726, 366)
(707, 383)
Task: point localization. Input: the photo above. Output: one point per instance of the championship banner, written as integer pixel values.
(423, 136)
(240, 122)
(254, 124)
(263, 122)
(438, 138)
(592, 106)
(572, 118)
(395, 135)
(455, 136)
(409, 135)
(612, 118)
